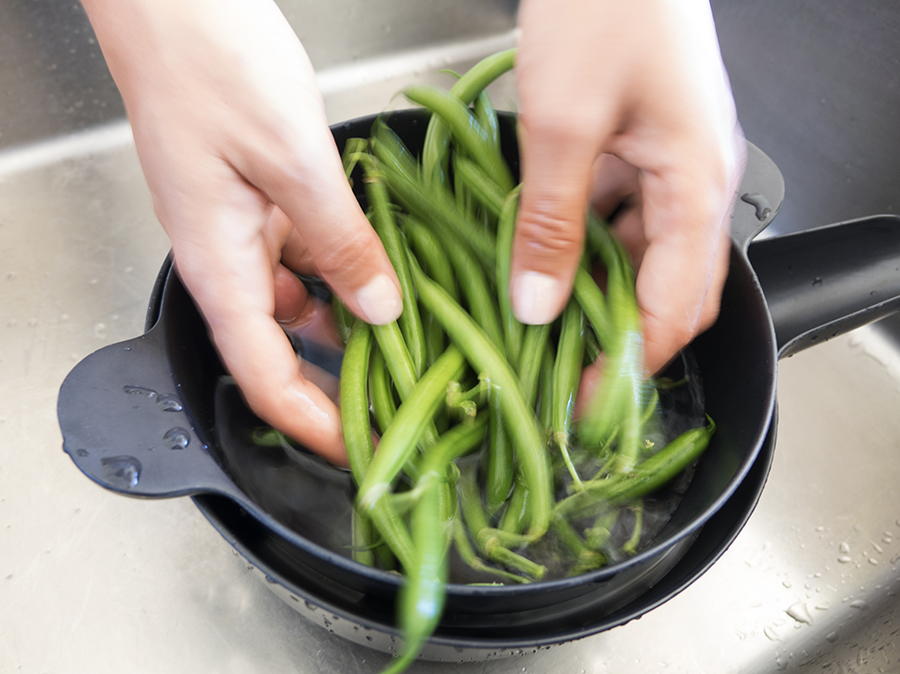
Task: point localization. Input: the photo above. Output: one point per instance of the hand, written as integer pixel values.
(627, 104)
(247, 182)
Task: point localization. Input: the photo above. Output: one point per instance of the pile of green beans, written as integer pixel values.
(477, 448)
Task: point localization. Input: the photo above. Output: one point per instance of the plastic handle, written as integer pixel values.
(824, 282)
(124, 425)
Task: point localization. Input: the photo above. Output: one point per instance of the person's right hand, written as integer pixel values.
(627, 104)
(247, 182)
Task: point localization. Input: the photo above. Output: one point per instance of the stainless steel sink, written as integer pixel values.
(91, 582)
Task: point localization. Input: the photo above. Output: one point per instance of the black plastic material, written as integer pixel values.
(737, 358)
(823, 282)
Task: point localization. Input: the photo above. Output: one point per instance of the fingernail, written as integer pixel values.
(535, 297)
(379, 301)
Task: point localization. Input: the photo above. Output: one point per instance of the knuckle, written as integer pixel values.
(345, 256)
(547, 232)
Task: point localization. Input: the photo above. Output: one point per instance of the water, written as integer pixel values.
(315, 499)
(121, 471)
(177, 438)
(760, 203)
(169, 403)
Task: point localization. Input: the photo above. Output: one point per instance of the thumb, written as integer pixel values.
(556, 169)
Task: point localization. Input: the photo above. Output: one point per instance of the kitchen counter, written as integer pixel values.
(94, 582)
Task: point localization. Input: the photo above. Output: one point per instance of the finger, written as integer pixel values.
(299, 169)
(684, 231)
(549, 234)
(235, 289)
(614, 181)
(295, 254)
(291, 297)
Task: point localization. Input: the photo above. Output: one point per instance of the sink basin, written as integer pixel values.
(809, 585)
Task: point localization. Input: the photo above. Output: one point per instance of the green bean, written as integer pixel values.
(517, 508)
(618, 399)
(432, 255)
(513, 330)
(399, 440)
(566, 377)
(380, 393)
(594, 304)
(646, 477)
(358, 437)
(599, 534)
(630, 546)
(400, 365)
(472, 282)
(486, 539)
(435, 207)
(386, 227)
(480, 184)
(343, 319)
(500, 468)
(350, 156)
(487, 117)
(585, 558)
(545, 404)
(361, 537)
(517, 416)
(467, 553)
(591, 347)
(534, 345)
(466, 89)
(421, 598)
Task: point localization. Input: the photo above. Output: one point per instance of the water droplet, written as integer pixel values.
(800, 613)
(140, 391)
(873, 561)
(82, 452)
(844, 559)
(817, 281)
(121, 471)
(169, 403)
(760, 203)
(311, 606)
(771, 634)
(831, 637)
(859, 604)
(787, 584)
(844, 548)
(369, 638)
(878, 547)
(177, 438)
(127, 348)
